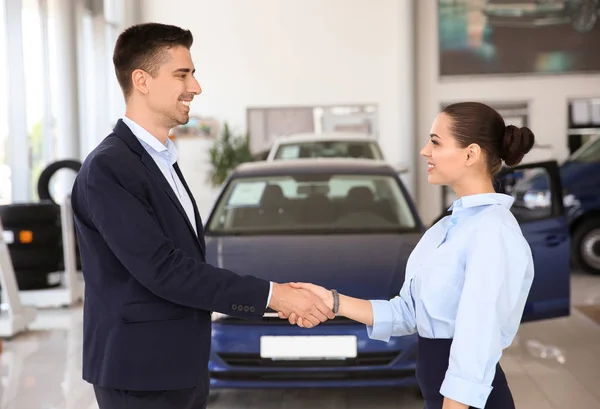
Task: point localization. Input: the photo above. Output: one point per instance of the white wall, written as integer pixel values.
(301, 52)
(547, 97)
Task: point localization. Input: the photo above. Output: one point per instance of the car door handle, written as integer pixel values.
(554, 240)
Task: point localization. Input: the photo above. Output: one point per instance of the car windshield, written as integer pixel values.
(590, 152)
(329, 149)
(312, 204)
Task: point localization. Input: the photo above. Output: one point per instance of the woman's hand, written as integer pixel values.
(324, 294)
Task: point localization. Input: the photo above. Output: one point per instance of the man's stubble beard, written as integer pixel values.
(176, 119)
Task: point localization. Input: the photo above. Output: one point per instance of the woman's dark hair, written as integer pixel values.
(473, 122)
(144, 46)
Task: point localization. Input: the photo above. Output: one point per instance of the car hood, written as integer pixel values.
(366, 266)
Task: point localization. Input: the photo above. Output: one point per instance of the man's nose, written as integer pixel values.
(195, 87)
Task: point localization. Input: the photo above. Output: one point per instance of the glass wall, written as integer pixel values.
(5, 185)
(37, 58)
(36, 90)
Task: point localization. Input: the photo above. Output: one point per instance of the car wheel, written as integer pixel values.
(19, 214)
(586, 246)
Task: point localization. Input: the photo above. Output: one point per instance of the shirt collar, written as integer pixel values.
(482, 199)
(168, 149)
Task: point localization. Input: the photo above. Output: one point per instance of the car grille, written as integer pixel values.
(255, 360)
(296, 376)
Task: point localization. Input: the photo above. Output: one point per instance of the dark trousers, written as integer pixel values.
(192, 398)
(432, 364)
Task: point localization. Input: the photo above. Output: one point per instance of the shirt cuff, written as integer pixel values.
(383, 320)
(465, 392)
(270, 293)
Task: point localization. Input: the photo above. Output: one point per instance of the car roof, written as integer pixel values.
(314, 165)
(326, 136)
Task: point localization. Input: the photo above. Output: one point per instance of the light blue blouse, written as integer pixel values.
(467, 279)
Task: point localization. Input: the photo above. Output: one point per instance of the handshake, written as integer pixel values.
(306, 305)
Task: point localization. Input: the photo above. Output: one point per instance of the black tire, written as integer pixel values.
(43, 236)
(585, 243)
(29, 214)
(43, 258)
(43, 186)
(33, 279)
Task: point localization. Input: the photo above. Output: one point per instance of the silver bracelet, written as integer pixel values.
(336, 301)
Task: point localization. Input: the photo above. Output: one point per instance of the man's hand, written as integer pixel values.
(322, 293)
(287, 300)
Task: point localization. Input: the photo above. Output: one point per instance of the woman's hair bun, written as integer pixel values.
(517, 142)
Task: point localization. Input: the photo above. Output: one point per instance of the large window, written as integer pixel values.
(589, 152)
(35, 61)
(5, 184)
(312, 204)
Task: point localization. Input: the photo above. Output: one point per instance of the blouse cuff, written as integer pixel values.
(383, 320)
(465, 392)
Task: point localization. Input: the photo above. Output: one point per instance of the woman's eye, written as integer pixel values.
(435, 142)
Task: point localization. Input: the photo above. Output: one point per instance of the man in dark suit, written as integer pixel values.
(149, 291)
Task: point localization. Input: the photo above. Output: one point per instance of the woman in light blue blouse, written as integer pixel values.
(469, 277)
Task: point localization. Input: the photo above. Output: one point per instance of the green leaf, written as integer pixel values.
(227, 152)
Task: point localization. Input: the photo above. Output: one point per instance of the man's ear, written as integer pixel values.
(474, 153)
(139, 79)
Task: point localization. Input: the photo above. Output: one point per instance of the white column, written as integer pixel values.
(18, 139)
(67, 89)
(48, 123)
(132, 13)
(406, 94)
(67, 110)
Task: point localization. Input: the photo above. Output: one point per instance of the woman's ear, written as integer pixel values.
(473, 154)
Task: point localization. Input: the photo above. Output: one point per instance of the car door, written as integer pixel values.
(539, 208)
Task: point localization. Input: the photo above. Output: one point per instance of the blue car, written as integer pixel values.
(344, 224)
(581, 197)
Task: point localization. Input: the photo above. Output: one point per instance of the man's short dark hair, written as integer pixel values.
(144, 46)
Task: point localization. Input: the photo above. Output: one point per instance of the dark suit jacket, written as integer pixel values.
(149, 293)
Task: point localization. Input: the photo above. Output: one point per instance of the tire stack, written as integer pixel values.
(43, 188)
(33, 234)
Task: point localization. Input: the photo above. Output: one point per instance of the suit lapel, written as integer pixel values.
(122, 130)
(158, 175)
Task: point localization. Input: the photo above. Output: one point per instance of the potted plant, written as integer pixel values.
(227, 152)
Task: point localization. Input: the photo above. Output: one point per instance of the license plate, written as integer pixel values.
(308, 347)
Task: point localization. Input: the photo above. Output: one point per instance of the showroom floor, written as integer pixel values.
(552, 364)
